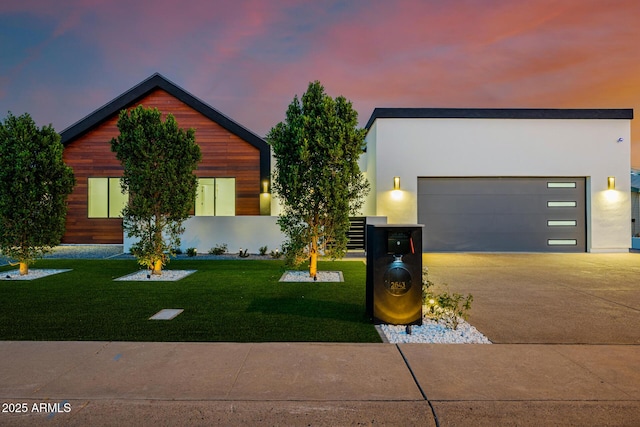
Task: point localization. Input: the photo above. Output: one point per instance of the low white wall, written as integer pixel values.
(246, 232)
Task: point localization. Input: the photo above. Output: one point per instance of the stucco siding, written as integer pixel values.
(594, 149)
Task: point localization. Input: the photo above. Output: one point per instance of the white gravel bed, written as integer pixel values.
(303, 276)
(33, 274)
(146, 276)
(432, 332)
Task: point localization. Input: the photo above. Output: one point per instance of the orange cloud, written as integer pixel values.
(249, 58)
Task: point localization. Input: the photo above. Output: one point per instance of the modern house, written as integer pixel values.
(553, 180)
(231, 175)
(503, 179)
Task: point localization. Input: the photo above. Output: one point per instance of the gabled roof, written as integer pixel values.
(497, 113)
(157, 81)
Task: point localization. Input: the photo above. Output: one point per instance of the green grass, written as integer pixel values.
(224, 301)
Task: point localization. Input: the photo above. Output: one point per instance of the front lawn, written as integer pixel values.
(225, 301)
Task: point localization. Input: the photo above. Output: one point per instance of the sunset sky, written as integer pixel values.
(61, 60)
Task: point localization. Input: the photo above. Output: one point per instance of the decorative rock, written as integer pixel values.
(166, 276)
(33, 274)
(431, 332)
(303, 276)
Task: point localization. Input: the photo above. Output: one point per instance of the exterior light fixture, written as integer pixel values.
(265, 198)
(611, 183)
(396, 182)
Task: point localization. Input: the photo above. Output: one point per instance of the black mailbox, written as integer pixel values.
(398, 242)
(394, 274)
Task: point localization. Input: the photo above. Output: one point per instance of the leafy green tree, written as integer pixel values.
(317, 175)
(34, 185)
(158, 160)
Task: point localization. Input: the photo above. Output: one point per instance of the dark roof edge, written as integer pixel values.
(158, 81)
(498, 113)
(96, 117)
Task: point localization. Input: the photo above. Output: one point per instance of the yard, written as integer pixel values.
(224, 301)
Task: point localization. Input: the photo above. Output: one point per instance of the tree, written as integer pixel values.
(158, 160)
(316, 175)
(34, 185)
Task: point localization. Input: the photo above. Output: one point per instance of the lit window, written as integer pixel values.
(105, 198)
(216, 197)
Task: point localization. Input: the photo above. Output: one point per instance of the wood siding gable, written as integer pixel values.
(228, 150)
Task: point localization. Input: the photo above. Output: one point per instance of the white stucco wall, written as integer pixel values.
(369, 170)
(247, 232)
(412, 148)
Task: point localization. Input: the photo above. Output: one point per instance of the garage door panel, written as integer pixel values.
(524, 242)
(491, 223)
(488, 186)
(500, 204)
(503, 214)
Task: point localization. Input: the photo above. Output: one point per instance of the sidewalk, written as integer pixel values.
(566, 352)
(101, 383)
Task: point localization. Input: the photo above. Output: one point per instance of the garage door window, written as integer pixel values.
(561, 185)
(562, 242)
(562, 204)
(562, 223)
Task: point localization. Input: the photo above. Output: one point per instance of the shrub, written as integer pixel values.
(192, 252)
(218, 249)
(275, 254)
(444, 307)
(243, 253)
(263, 250)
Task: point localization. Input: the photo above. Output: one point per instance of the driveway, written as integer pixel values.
(546, 298)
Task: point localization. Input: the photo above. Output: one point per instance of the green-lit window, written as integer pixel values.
(105, 198)
(216, 197)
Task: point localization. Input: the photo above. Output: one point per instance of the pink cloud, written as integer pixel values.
(248, 58)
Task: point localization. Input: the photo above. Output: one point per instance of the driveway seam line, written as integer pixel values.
(237, 375)
(557, 350)
(415, 380)
(583, 292)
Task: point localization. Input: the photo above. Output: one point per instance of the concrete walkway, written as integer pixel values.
(545, 376)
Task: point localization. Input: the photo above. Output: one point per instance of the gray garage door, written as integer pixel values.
(502, 214)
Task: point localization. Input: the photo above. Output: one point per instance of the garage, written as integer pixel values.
(528, 214)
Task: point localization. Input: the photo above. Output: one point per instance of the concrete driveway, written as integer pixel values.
(547, 298)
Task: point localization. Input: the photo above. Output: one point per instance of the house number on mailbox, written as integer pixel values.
(397, 280)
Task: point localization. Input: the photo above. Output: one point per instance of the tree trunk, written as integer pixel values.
(313, 263)
(157, 268)
(157, 241)
(24, 268)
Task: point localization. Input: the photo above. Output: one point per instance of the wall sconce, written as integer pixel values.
(265, 186)
(396, 182)
(611, 183)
